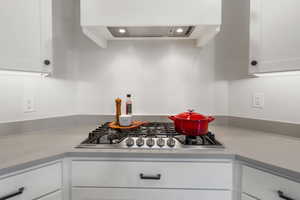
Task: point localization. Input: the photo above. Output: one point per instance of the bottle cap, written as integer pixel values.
(128, 95)
(118, 100)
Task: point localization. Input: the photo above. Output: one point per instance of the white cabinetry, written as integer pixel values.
(171, 174)
(26, 35)
(36, 183)
(262, 185)
(169, 180)
(148, 194)
(274, 36)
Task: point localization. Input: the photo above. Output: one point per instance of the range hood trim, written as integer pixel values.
(97, 15)
(150, 31)
(202, 35)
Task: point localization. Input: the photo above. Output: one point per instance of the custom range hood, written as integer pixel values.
(104, 20)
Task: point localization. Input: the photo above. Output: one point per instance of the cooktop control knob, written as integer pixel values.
(130, 142)
(140, 141)
(150, 142)
(171, 142)
(160, 142)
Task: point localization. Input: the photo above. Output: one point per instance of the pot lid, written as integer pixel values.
(191, 115)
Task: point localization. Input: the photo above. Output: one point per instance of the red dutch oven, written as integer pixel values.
(191, 123)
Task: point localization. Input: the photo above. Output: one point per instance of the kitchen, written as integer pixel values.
(44, 118)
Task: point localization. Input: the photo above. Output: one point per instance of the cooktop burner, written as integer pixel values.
(154, 135)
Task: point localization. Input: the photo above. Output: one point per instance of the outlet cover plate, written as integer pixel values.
(258, 100)
(29, 104)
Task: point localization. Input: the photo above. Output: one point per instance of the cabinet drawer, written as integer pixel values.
(265, 186)
(147, 194)
(36, 183)
(203, 175)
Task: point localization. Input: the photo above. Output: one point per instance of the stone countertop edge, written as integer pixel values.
(285, 173)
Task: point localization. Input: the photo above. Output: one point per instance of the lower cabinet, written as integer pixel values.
(262, 185)
(153, 174)
(151, 180)
(147, 194)
(43, 182)
(145, 180)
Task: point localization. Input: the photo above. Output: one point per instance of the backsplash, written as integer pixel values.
(163, 77)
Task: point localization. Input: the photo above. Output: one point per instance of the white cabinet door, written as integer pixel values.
(148, 194)
(26, 35)
(36, 183)
(204, 175)
(266, 186)
(274, 36)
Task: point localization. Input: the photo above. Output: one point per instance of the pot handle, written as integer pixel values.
(172, 118)
(210, 118)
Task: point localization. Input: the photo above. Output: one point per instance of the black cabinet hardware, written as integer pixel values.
(254, 62)
(47, 62)
(282, 196)
(155, 177)
(20, 191)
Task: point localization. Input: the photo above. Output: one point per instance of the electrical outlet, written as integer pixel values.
(258, 100)
(29, 105)
(29, 94)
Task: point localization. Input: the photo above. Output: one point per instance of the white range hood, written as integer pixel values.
(103, 20)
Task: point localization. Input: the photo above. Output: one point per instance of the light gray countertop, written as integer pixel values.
(277, 152)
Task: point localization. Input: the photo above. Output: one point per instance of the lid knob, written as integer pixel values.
(190, 110)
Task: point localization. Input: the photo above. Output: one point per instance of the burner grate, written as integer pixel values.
(104, 135)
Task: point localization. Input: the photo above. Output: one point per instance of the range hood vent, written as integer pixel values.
(104, 20)
(151, 32)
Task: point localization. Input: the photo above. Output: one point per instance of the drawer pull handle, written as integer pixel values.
(20, 191)
(155, 177)
(282, 196)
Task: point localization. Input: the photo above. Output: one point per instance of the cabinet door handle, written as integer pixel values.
(150, 177)
(254, 62)
(20, 191)
(47, 62)
(282, 196)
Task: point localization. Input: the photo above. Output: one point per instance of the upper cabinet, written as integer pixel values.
(26, 35)
(274, 36)
(104, 20)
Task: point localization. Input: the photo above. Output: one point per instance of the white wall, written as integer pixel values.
(282, 94)
(200, 76)
(163, 76)
(282, 98)
(53, 96)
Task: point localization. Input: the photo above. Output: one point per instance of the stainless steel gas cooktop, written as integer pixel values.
(154, 135)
